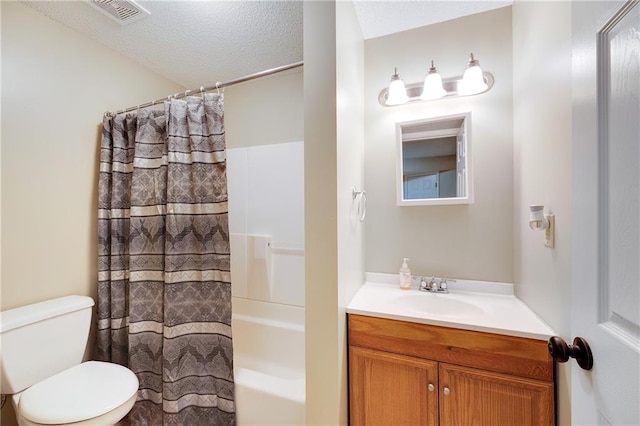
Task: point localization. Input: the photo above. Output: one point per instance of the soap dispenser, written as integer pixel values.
(405, 275)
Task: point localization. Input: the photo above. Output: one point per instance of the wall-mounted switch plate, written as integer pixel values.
(549, 233)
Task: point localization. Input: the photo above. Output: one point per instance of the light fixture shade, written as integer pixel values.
(473, 80)
(432, 85)
(397, 92)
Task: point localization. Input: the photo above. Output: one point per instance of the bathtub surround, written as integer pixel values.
(266, 205)
(164, 290)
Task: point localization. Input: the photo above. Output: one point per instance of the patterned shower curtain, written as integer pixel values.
(164, 288)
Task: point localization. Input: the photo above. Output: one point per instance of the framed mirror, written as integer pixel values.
(434, 161)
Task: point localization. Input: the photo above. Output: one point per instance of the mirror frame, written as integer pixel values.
(468, 199)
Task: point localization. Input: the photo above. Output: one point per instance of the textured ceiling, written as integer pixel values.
(196, 43)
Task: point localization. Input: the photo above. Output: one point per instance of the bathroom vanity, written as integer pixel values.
(450, 363)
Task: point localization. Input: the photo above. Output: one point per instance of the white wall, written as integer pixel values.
(264, 111)
(323, 387)
(542, 166)
(56, 84)
(462, 241)
(350, 161)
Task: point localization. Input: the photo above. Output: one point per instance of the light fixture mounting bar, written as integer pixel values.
(450, 85)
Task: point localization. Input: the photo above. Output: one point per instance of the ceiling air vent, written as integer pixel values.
(121, 11)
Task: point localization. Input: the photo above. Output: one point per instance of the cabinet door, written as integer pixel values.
(475, 397)
(388, 389)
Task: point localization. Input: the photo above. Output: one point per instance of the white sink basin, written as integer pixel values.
(442, 305)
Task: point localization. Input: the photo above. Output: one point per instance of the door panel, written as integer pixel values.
(619, 65)
(476, 397)
(606, 241)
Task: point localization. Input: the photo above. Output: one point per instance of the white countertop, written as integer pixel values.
(491, 307)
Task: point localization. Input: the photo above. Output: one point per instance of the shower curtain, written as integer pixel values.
(164, 287)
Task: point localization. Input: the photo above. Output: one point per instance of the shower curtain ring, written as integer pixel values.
(218, 87)
(186, 92)
(202, 91)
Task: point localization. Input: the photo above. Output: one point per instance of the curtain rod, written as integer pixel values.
(218, 85)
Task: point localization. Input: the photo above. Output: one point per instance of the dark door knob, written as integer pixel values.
(580, 350)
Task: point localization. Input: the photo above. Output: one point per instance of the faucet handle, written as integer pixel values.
(423, 283)
(443, 284)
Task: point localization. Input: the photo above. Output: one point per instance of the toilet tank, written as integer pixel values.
(42, 339)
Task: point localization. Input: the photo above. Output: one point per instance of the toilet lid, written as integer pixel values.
(87, 390)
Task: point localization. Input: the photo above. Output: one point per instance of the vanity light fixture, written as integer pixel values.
(473, 82)
(397, 90)
(544, 222)
(432, 85)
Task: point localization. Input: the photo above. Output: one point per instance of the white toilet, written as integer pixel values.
(41, 362)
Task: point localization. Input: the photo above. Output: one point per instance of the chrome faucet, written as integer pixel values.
(434, 285)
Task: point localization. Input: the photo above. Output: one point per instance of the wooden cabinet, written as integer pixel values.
(392, 389)
(405, 374)
(478, 397)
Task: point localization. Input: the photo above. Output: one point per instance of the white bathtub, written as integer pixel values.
(268, 346)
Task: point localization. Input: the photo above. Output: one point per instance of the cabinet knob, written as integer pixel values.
(446, 391)
(431, 387)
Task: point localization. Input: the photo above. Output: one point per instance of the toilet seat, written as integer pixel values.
(83, 392)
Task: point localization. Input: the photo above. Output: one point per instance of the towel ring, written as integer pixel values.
(361, 195)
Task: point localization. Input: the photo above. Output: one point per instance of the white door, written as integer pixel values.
(419, 187)
(606, 222)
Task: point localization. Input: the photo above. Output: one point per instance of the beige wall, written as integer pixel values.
(350, 163)
(334, 239)
(462, 241)
(323, 387)
(56, 84)
(265, 111)
(542, 165)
